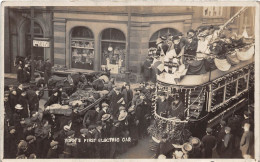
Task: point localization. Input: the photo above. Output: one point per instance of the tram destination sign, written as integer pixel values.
(41, 42)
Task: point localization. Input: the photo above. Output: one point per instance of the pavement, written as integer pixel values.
(140, 151)
(10, 79)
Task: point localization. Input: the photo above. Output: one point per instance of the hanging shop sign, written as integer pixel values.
(41, 42)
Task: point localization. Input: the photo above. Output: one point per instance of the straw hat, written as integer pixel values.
(105, 117)
(122, 115)
(178, 154)
(66, 128)
(104, 104)
(18, 107)
(195, 141)
(121, 108)
(187, 147)
(161, 156)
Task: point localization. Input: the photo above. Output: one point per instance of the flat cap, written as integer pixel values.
(30, 137)
(70, 132)
(91, 127)
(227, 128)
(54, 143)
(83, 131)
(131, 109)
(209, 130)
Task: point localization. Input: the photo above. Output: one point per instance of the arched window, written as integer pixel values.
(113, 49)
(82, 48)
(38, 33)
(161, 32)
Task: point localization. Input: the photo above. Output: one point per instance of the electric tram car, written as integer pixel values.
(208, 98)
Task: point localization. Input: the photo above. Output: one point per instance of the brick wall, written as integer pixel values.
(59, 27)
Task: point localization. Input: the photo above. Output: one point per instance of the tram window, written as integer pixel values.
(222, 82)
(242, 83)
(245, 70)
(217, 96)
(231, 90)
(229, 80)
(235, 76)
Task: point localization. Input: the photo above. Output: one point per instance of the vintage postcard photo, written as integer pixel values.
(129, 82)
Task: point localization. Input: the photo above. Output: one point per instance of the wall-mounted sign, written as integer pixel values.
(41, 43)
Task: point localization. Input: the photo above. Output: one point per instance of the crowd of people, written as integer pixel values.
(104, 131)
(115, 124)
(229, 141)
(205, 43)
(24, 72)
(113, 127)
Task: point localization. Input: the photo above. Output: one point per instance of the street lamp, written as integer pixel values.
(32, 54)
(128, 43)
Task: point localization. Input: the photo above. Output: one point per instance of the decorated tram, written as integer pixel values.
(195, 101)
(209, 97)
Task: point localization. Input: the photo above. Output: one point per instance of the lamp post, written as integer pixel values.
(32, 37)
(128, 43)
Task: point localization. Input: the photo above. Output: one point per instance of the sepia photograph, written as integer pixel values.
(129, 82)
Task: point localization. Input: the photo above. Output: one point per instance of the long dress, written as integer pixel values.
(20, 76)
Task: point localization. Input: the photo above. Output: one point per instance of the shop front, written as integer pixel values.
(82, 48)
(113, 50)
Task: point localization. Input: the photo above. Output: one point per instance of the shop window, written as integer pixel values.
(212, 11)
(82, 48)
(113, 49)
(161, 32)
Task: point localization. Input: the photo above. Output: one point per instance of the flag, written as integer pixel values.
(245, 35)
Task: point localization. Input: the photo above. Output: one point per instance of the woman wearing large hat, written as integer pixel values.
(197, 150)
(187, 149)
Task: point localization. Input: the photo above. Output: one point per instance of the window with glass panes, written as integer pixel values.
(113, 49)
(212, 11)
(229, 87)
(159, 33)
(82, 48)
(38, 33)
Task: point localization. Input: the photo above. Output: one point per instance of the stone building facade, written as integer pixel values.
(85, 37)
